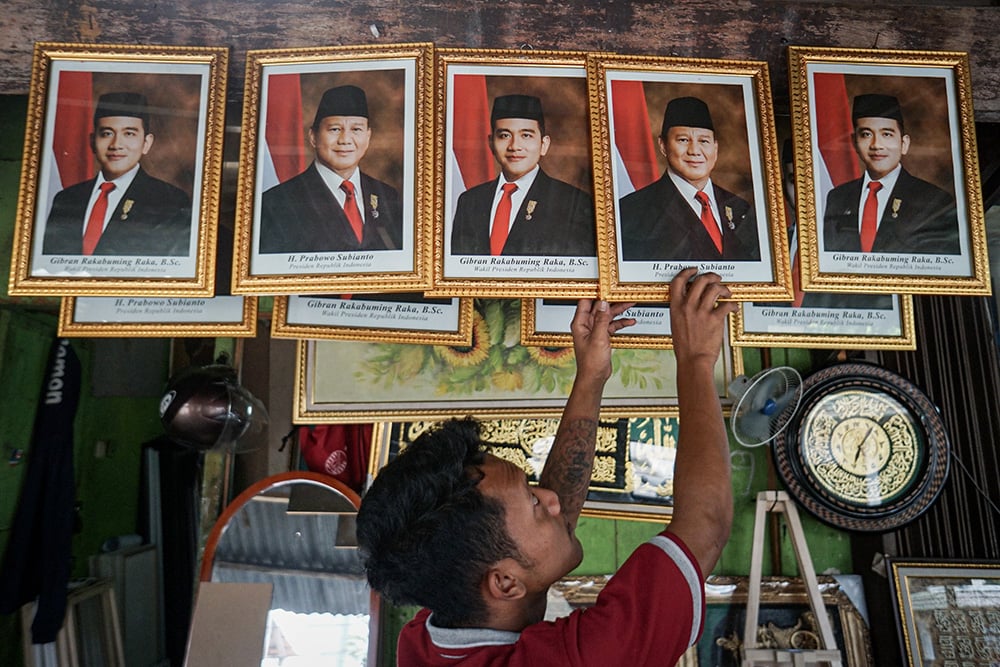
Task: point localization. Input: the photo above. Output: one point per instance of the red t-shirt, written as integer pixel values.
(649, 613)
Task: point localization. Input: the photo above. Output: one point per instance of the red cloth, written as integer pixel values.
(338, 450)
(648, 613)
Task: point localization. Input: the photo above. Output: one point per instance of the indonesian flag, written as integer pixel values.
(284, 139)
(472, 162)
(634, 152)
(74, 123)
(838, 162)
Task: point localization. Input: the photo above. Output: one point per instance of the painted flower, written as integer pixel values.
(551, 356)
(471, 355)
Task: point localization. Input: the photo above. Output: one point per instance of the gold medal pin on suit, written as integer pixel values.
(373, 201)
(729, 217)
(126, 207)
(530, 208)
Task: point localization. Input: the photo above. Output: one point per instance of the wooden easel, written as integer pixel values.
(779, 502)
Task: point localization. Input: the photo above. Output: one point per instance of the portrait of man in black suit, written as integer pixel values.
(123, 210)
(333, 206)
(684, 215)
(523, 211)
(887, 209)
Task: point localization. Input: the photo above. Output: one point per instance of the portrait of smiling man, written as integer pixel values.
(123, 210)
(523, 211)
(333, 206)
(685, 215)
(887, 209)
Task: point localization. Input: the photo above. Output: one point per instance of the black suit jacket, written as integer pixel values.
(919, 218)
(561, 221)
(302, 215)
(657, 224)
(152, 218)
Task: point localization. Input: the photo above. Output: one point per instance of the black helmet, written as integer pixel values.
(206, 408)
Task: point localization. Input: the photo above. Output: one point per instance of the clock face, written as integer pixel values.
(865, 451)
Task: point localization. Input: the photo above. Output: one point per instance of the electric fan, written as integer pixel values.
(764, 404)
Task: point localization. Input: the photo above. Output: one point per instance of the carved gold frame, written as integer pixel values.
(172, 325)
(532, 333)
(971, 275)
(385, 270)
(120, 274)
(806, 330)
(539, 70)
(493, 378)
(385, 331)
(648, 281)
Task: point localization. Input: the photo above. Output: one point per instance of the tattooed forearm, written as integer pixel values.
(568, 467)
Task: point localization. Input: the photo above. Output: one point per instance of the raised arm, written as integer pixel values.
(568, 467)
(703, 495)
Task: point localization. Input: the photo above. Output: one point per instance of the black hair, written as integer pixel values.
(427, 534)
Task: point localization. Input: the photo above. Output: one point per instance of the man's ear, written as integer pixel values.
(503, 582)
(93, 145)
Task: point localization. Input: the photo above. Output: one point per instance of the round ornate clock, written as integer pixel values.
(865, 450)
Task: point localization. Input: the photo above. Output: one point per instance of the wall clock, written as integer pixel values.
(866, 450)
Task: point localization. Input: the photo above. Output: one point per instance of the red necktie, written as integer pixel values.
(501, 221)
(869, 217)
(95, 223)
(708, 219)
(351, 210)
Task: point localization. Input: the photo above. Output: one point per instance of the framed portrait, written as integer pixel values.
(516, 215)
(121, 172)
(687, 169)
(335, 164)
(494, 377)
(158, 317)
(388, 318)
(546, 323)
(633, 472)
(786, 620)
(837, 321)
(887, 175)
(947, 611)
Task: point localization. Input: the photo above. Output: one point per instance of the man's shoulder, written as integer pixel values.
(303, 180)
(558, 187)
(77, 189)
(908, 181)
(166, 192)
(654, 191)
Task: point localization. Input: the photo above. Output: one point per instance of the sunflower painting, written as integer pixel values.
(493, 377)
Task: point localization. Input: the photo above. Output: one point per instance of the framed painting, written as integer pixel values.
(119, 191)
(493, 377)
(516, 215)
(387, 318)
(947, 612)
(887, 172)
(836, 321)
(687, 169)
(546, 323)
(158, 317)
(335, 159)
(633, 467)
(786, 620)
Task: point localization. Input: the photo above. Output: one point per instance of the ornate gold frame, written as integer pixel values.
(543, 280)
(532, 335)
(120, 274)
(383, 332)
(647, 281)
(494, 378)
(122, 327)
(385, 270)
(886, 275)
(796, 333)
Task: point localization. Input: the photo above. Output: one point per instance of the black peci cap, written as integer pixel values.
(517, 106)
(342, 101)
(686, 112)
(874, 105)
(132, 105)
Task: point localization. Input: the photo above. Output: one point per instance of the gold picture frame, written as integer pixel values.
(924, 98)
(317, 251)
(386, 318)
(159, 219)
(150, 317)
(341, 381)
(546, 323)
(555, 216)
(946, 610)
(640, 209)
(856, 327)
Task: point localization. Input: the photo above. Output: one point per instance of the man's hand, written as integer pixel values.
(697, 317)
(593, 325)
